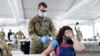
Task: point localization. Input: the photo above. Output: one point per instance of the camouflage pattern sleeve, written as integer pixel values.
(5, 49)
(52, 29)
(31, 30)
(4, 34)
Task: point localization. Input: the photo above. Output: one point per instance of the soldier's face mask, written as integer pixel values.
(42, 13)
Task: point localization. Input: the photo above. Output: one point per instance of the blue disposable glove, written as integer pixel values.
(45, 39)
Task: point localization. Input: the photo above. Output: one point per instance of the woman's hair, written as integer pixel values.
(61, 34)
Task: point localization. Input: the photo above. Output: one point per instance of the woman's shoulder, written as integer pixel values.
(54, 43)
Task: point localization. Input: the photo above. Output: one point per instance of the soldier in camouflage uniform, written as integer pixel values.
(4, 49)
(19, 34)
(39, 26)
(2, 34)
(78, 34)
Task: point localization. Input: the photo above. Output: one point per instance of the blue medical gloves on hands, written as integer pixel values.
(45, 39)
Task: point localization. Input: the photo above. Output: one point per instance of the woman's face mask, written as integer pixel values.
(66, 38)
(42, 14)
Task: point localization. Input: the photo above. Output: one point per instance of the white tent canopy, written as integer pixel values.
(76, 10)
(62, 12)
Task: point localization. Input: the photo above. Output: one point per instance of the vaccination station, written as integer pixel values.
(49, 27)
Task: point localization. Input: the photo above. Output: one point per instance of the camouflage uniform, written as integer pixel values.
(4, 49)
(20, 34)
(78, 34)
(2, 35)
(39, 27)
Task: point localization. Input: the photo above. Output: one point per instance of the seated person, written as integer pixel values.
(65, 44)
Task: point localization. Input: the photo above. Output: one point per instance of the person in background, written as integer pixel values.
(78, 32)
(9, 34)
(13, 37)
(97, 38)
(2, 34)
(19, 34)
(41, 29)
(65, 44)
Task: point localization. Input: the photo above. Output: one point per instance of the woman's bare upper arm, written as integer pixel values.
(48, 50)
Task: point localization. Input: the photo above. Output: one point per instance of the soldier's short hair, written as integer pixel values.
(42, 4)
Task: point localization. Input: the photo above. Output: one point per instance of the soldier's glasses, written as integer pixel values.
(43, 10)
